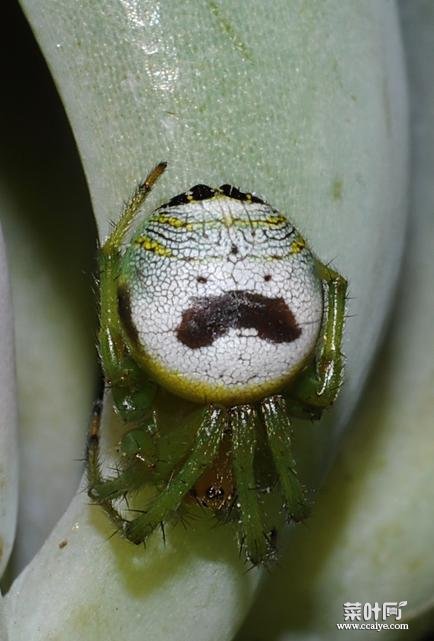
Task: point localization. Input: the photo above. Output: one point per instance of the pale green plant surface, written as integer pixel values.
(3, 630)
(8, 419)
(48, 232)
(287, 101)
(370, 538)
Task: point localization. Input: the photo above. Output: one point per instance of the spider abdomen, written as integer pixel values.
(223, 301)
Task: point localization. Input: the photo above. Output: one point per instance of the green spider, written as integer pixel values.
(215, 301)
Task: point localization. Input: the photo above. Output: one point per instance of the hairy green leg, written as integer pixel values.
(131, 392)
(202, 454)
(128, 480)
(243, 423)
(93, 469)
(278, 428)
(131, 209)
(319, 385)
(134, 477)
(145, 461)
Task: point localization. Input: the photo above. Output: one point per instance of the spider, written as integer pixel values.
(213, 310)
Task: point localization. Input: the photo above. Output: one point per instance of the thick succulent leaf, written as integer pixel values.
(193, 587)
(8, 418)
(284, 100)
(3, 628)
(50, 238)
(371, 536)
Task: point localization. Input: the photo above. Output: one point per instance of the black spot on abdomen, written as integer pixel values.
(211, 317)
(234, 192)
(198, 192)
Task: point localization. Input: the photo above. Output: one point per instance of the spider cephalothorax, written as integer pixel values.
(217, 300)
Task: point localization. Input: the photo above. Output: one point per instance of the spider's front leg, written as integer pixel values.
(317, 387)
(132, 394)
(275, 418)
(93, 469)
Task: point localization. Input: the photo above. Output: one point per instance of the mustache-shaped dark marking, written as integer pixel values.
(211, 317)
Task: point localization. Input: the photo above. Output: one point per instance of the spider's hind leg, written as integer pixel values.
(253, 538)
(93, 468)
(133, 473)
(274, 415)
(169, 499)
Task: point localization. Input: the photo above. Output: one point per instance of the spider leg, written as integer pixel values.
(131, 209)
(131, 393)
(243, 424)
(204, 450)
(130, 479)
(317, 387)
(145, 461)
(93, 468)
(278, 428)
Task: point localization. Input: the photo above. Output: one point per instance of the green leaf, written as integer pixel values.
(279, 98)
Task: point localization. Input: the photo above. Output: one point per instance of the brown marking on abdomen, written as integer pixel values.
(211, 317)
